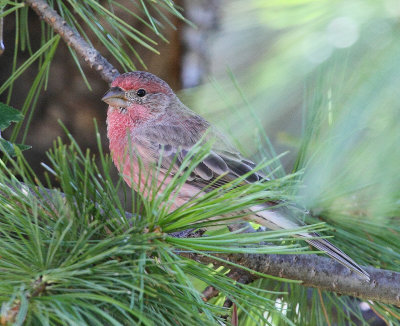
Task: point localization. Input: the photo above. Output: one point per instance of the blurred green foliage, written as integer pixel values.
(322, 79)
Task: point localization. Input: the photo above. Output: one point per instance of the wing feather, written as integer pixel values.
(172, 143)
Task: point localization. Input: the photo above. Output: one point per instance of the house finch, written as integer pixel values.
(145, 115)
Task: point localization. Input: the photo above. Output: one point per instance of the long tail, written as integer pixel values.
(334, 252)
(275, 220)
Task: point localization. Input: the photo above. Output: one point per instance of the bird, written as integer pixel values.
(146, 117)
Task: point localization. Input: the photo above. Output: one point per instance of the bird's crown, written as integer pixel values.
(141, 80)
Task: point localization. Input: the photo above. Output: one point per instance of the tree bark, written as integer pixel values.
(73, 39)
(314, 271)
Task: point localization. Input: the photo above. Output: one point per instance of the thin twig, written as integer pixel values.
(89, 54)
(324, 308)
(391, 312)
(235, 319)
(379, 314)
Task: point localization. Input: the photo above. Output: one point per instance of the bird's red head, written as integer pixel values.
(141, 91)
(141, 80)
(136, 98)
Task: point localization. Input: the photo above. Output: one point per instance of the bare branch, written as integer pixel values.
(315, 271)
(89, 54)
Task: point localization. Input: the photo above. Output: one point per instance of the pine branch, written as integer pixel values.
(72, 38)
(10, 312)
(315, 271)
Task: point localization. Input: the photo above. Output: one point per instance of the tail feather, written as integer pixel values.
(276, 220)
(334, 252)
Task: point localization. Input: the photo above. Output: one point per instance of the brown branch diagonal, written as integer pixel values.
(74, 40)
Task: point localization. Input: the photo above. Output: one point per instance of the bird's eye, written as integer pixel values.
(141, 92)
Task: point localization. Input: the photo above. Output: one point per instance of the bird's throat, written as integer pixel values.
(129, 117)
(122, 123)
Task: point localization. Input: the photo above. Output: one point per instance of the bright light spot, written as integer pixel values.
(364, 306)
(282, 306)
(342, 32)
(25, 190)
(268, 316)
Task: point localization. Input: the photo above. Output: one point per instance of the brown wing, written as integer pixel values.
(170, 144)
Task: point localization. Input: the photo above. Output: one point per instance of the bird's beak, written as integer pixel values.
(116, 97)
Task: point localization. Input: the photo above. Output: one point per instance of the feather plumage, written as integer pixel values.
(161, 128)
